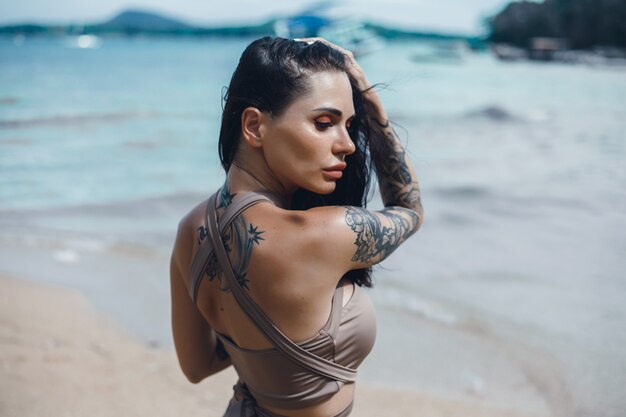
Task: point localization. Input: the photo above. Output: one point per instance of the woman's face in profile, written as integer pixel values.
(306, 145)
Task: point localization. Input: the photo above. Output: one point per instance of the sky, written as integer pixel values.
(456, 16)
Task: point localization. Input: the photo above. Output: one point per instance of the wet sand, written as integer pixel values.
(61, 357)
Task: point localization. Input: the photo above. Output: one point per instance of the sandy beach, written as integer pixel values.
(60, 357)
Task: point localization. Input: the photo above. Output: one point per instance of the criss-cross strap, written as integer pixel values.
(285, 345)
(203, 255)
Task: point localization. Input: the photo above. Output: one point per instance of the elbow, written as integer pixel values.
(192, 371)
(419, 210)
(199, 372)
(193, 377)
(420, 219)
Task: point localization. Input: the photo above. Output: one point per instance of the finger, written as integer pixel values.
(327, 42)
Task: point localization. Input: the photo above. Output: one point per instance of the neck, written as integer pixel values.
(243, 175)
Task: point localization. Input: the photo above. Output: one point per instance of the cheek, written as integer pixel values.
(301, 146)
(287, 155)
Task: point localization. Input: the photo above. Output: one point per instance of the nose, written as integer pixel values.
(344, 144)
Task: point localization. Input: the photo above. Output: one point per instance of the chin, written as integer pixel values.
(328, 188)
(322, 189)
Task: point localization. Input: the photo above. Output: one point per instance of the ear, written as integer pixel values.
(252, 120)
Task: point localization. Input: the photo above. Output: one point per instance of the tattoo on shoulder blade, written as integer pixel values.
(375, 240)
(239, 240)
(202, 233)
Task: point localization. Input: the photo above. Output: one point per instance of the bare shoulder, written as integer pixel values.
(360, 236)
(190, 226)
(195, 216)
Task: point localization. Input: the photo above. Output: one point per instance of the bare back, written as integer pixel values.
(279, 276)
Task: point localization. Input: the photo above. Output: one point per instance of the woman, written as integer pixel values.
(279, 254)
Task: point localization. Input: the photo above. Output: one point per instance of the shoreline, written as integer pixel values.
(59, 356)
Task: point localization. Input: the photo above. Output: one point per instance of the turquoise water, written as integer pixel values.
(139, 118)
(131, 119)
(521, 167)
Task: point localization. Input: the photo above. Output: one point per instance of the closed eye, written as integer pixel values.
(323, 126)
(323, 123)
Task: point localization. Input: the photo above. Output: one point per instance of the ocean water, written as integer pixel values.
(512, 291)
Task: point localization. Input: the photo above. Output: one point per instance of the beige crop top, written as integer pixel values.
(273, 376)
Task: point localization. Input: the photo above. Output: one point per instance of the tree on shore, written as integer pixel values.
(583, 23)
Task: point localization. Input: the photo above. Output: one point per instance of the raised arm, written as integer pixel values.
(376, 234)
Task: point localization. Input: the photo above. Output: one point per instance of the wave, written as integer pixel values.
(16, 141)
(500, 114)
(9, 100)
(494, 113)
(118, 208)
(140, 227)
(407, 300)
(76, 119)
(462, 192)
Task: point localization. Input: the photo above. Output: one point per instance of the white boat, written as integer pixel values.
(349, 33)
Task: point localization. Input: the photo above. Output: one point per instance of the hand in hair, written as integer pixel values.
(397, 180)
(353, 68)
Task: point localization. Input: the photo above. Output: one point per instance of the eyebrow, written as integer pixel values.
(331, 110)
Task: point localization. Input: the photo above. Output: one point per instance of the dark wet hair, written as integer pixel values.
(271, 73)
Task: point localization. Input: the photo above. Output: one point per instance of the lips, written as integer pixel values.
(334, 172)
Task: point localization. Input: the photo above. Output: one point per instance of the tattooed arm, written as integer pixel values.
(362, 237)
(378, 233)
(397, 180)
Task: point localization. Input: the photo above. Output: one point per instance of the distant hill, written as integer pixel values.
(140, 20)
(135, 22)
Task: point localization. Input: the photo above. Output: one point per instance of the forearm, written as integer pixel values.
(397, 180)
(200, 359)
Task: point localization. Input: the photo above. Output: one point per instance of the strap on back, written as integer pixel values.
(301, 356)
(203, 254)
